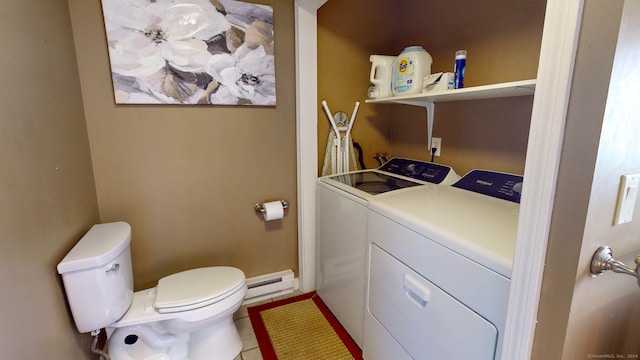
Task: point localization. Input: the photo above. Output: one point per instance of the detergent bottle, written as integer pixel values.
(410, 67)
(380, 76)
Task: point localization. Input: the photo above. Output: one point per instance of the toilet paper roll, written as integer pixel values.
(273, 210)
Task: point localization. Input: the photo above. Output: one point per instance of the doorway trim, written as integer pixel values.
(553, 86)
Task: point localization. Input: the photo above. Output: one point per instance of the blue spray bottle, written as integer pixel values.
(461, 64)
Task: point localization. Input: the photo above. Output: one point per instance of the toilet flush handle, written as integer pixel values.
(603, 260)
(114, 268)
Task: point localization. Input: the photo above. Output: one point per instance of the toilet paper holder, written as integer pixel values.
(260, 208)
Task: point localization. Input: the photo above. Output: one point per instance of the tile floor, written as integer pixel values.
(250, 349)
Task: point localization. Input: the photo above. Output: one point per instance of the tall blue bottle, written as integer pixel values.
(461, 64)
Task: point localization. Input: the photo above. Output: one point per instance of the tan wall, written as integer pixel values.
(502, 40)
(348, 32)
(480, 134)
(187, 177)
(47, 192)
(581, 317)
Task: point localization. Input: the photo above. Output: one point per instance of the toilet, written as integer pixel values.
(186, 316)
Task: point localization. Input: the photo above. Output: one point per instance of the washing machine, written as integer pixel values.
(341, 230)
(439, 269)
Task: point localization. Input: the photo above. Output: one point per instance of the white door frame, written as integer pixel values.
(555, 70)
(307, 136)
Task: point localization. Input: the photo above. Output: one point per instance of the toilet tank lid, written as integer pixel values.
(101, 244)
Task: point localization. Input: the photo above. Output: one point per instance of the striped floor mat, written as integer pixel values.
(301, 328)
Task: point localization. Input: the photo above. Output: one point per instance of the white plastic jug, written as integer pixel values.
(380, 76)
(410, 67)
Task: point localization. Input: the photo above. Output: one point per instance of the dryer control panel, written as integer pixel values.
(491, 183)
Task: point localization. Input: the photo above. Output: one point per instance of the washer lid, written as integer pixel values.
(197, 288)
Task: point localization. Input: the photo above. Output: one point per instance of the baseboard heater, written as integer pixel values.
(270, 285)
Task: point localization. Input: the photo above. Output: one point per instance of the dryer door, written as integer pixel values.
(426, 321)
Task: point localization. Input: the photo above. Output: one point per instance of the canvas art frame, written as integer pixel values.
(208, 52)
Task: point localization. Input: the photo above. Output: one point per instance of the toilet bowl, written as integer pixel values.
(199, 302)
(187, 315)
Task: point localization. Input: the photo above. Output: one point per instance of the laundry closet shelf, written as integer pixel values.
(508, 89)
(493, 91)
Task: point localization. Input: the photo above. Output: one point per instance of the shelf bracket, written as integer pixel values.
(430, 105)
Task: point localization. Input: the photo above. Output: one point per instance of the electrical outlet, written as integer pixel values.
(436, 143)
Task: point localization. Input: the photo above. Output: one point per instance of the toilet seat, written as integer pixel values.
(196, 288)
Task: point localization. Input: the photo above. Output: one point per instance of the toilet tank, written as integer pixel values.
(98, 276)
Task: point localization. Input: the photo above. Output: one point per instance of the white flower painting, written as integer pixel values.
(217, 52)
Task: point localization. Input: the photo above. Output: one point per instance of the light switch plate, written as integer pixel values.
(627, 195)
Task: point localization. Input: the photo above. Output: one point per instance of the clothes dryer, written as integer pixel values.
(341, 230)
(439, 266)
